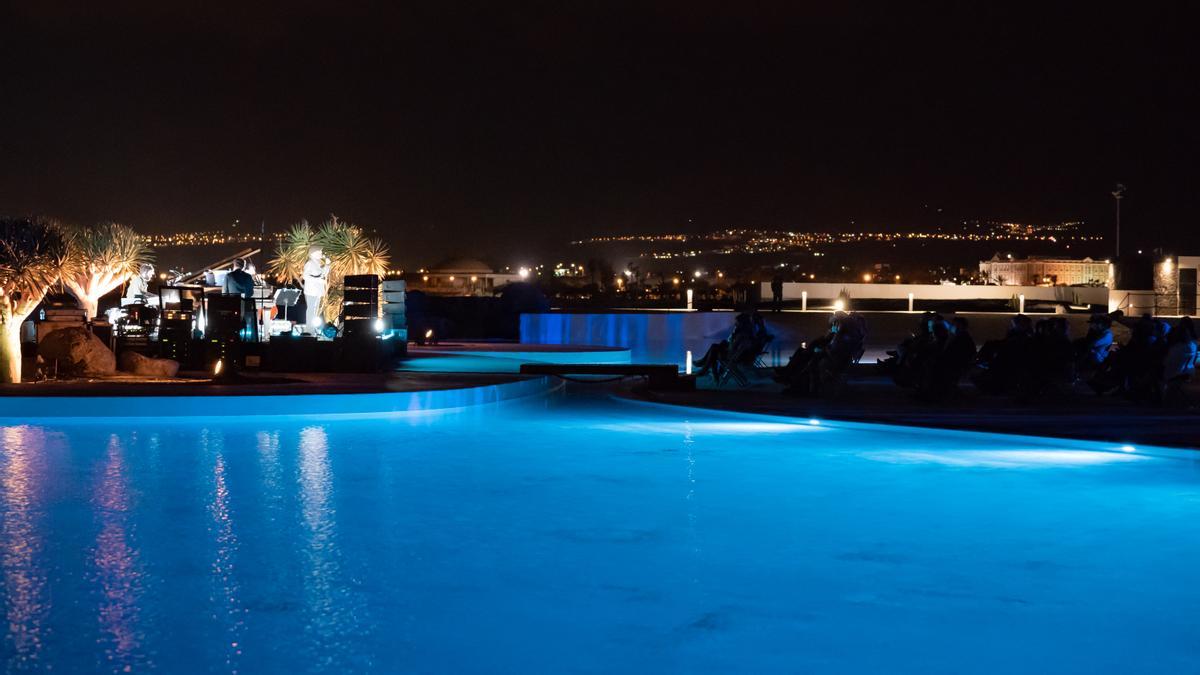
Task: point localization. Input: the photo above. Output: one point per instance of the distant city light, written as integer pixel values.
(523, 272)
(697, 274)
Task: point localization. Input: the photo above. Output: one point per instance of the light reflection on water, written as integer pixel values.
(568, 535)
(26, 604)
(117, 568)
(227, 606)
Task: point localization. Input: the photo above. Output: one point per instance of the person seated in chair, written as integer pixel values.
(1004, 363)
(945, 368)
(1092, 349)
(814, 366)
(718, 352)
(1179, 363)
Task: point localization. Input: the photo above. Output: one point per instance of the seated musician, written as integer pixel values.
(138, 292)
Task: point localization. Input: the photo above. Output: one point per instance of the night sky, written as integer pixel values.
(495, 128)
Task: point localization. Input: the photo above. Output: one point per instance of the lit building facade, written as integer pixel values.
(460, 277)
(1045, 272)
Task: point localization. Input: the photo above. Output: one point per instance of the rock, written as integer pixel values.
(75, 352)
(133, 362)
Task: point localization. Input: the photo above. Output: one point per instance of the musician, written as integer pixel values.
(138, 291)
(316, 275)
(239, 282)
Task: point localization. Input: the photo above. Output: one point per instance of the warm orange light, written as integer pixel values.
(867, 277)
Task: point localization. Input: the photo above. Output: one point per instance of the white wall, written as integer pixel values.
(824, 293)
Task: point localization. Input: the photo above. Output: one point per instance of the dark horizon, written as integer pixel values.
(488, 131)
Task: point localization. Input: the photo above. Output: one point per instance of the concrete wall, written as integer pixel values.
(825, 293)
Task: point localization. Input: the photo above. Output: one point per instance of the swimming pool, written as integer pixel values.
(575, 533)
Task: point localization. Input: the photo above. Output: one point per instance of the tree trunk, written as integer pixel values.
(91, 306)
(10, 352)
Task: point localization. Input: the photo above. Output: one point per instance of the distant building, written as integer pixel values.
(1045, 271)
(461, 277)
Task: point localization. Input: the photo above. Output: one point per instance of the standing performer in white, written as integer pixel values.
(316, 274)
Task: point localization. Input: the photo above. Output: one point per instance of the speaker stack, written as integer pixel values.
(222, 333)
(360, 316)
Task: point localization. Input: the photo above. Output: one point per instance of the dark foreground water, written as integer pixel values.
(578, 534)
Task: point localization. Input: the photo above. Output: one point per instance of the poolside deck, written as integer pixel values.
(873, 398)
(260, 384)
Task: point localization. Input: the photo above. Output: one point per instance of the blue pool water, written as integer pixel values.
(574, 533)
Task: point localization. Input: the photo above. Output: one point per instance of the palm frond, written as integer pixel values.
(349, 251)
(287, 265)
(33, 254)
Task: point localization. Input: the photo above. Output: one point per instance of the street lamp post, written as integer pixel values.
(1117, 194)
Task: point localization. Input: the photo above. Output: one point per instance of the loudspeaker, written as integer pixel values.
(357, 329)
(224, 317)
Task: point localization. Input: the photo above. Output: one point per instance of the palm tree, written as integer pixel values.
(102, 258)
(33, 253)
(349, 251)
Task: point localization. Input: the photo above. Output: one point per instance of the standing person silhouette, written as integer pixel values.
(239, 282)
(777, 294)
